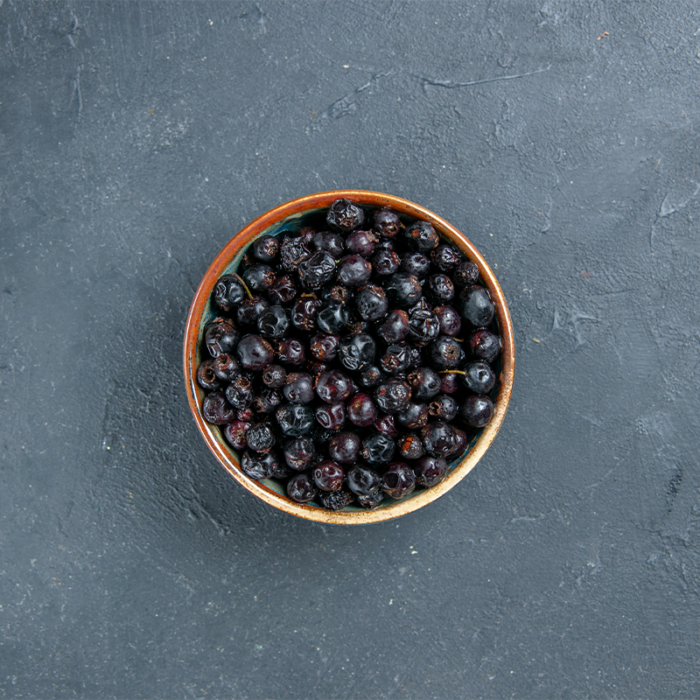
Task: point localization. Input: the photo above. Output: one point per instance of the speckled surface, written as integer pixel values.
(561, 137)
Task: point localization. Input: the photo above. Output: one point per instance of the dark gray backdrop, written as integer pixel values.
(136, 138)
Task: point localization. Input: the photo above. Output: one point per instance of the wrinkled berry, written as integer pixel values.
(216, 409)
(328, 475)
(301, 488)
(345, 215)
(357, 351)
(399, 480)
(377, 449)
(229, 292)
(266, 249)
(295, 420)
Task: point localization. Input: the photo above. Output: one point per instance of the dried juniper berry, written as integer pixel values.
(332, 317)
(330, 242)
(484, 345)
(229, 292)
(361, 410)
(385, 424)
(354, 271)
(415, 264)
(465, 274)
(328, 475)
(249, 310)
(259, 278)
(274, 376)
(299, 453)
(410, 446)
(274, 323)
(424, 382)
(333, 386)
(439, 439)
(403, 290)
(429, 470)
(225, 367)
(293, 251)
(344, 447)
(392, 395)
(398, 481)
(206, 376)
(301, 488)
(377, 449)
(331, 416)
(240, 393)
(291, 352)
(356, 352)
(387, 223)
(260, 438)
(299, 388)
(421, 237)
(282, 290)
(217, 410)
(335, 500)
(363, 481)
(445, 257)
(450, 322)
(304, 312)
(413, 416)
(440, 288)
(372, 501)
(235, 434)
(395, 328)
(398, 358)
(371, 303)
(266, 249)
(424, 327)
(257, 466)
(445, 353)
(476, 306)
(267, 401)
(385, 263)
(444, 408)
(449, 382)
(253, 352)
(478, 377)
(324, 347)
(295, 420)
(477, 411)
(220, 338)
(345, 216)
(318, 270)
(361, 242)
(371, 376)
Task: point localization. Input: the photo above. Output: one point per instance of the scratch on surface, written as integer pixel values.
(346, 104)
(673, 202)
(450, 84)
(77, 93)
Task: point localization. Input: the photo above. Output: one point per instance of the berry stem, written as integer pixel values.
(245, 286)
(453, 371)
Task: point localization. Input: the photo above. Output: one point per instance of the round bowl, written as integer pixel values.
(293, 214)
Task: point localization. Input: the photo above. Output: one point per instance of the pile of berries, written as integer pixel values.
(351, 359)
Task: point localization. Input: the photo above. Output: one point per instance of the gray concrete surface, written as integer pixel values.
(136, 138)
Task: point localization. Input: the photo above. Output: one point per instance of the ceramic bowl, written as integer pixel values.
(292, 215)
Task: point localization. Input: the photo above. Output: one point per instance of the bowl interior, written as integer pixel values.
(203, 312)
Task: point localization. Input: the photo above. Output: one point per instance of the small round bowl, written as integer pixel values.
(292, 215)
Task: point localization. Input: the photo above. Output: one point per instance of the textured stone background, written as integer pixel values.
(137, 138)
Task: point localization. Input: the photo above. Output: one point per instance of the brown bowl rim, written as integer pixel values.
(242, 239)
